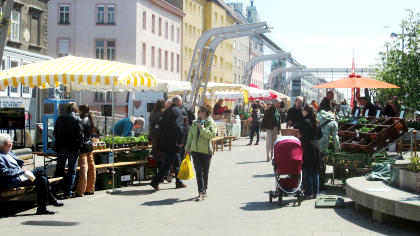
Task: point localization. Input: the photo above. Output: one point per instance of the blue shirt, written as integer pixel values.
(123, 127)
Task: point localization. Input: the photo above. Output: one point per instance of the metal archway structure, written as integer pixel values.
(255, 60)
(203, 55)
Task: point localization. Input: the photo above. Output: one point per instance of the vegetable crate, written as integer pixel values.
(104, 181)
(350, 160)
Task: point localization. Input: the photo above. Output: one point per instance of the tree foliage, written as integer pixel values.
(400, 65)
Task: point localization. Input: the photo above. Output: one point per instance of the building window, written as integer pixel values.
(172, 61)
(166, 60)
(160, 26)
(172, 32)
(153, 23)
(64, 14)
(35, 30)
(111, 14)
(160, 58)
(153, 56)
(100, 14)
(63, 47)
(110, 50)
(144, 20)
(166, 30)
(177, 63)
(15, 26)
(109, 96)
(99, 96)
(143, 60)
(14, 91)
(177, 34)
(100, 49)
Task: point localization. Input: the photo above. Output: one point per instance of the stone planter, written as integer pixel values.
(404, 179)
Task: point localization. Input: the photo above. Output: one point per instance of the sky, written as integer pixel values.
(324, 33)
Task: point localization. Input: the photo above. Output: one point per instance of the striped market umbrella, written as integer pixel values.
(80, 74)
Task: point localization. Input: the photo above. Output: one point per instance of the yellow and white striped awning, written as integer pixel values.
(80, 74)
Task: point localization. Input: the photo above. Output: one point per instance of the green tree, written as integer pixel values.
(400, 65)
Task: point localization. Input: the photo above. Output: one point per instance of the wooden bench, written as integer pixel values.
(229, 138)
(216, 141)
(15, 192)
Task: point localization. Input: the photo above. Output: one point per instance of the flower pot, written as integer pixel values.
(405, 179)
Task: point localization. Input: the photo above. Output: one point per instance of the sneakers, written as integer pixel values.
(201, 197)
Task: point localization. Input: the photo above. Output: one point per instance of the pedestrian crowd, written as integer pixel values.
(176, 133)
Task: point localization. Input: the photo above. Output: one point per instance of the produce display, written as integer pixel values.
(121, 142)
(370, 134)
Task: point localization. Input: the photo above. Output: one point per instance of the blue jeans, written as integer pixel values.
(311, 181)
(68, 180)
(171, 159)
(255, 128)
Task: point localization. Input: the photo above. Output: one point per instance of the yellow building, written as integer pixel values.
(202, 15)
(193, 27)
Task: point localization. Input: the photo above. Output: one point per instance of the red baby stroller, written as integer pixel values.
(287, 164)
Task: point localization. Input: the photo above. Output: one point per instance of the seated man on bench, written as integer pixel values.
(12, 175)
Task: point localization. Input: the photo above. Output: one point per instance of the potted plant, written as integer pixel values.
(407, 176)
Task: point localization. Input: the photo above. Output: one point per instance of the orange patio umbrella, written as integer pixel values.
(356, 81)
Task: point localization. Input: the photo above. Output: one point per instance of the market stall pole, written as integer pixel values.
(81, 74)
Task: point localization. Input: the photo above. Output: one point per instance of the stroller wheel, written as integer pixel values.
(299, 200)
(280, 200)
(270, 196)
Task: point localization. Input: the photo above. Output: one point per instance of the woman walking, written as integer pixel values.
(198, 145)
(87, 174)
(255, 125)
(311, 132)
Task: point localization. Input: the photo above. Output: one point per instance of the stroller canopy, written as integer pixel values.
(288, 155)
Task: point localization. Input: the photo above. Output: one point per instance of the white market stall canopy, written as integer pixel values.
(230, 96)
(173, 86)
(80, 74)
(225, 87)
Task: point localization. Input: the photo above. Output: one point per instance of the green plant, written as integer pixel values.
(414, 165)
(365, 129)
(363, 121)
(345, 120)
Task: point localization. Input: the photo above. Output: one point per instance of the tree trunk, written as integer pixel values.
(4, 28)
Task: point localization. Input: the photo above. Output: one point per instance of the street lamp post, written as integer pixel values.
(395, 35)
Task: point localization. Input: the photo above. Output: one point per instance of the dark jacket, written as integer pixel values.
(87, 145)
(309, 140)
(9, 172)
(256, 116)
(188, 119)
(68, 134)
(294, 115)
(173, 126)
(269, 119)
(389, 111)
(325, 105)
(372, 109)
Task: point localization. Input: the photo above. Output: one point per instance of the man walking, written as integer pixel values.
(271, 124)
(171, 140)
(68, 134)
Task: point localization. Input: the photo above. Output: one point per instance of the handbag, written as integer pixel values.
(186, 171)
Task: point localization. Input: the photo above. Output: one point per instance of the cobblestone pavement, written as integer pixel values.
(237, 205)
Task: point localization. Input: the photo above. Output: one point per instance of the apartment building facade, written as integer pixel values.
(142, 32)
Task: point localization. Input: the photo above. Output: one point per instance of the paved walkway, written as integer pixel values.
(237, 205)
